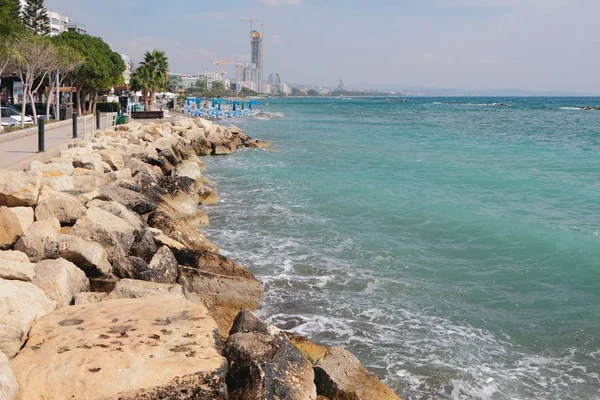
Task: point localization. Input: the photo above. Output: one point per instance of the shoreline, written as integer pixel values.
(110, 229)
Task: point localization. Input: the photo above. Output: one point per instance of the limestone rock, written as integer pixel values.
(10, 228)
(33, 240)
(60, 183)
(21, 303)
(162, 268)
(9, 387)
(221, 150)
(114, 158)
(160, 239)
(144, 246)
(159, 347)
(89, 298)
(189, 169)
(133, 289)
(267, 366)
(15, 265)
(132, 200)
(225, 286)
(66, 210)
(89, 161)
(130, 267)
(88, 256)
(61, 280)
(118, 210)
(26, 216)
(247, 322)
(52, 169)
(339, 375)
(172, 226)
(115, 234)
(19, 188)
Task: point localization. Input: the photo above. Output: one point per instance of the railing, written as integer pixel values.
(111, 120)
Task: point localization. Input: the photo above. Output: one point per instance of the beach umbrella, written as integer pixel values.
(219, 106)
(234, 107)
(250, 105)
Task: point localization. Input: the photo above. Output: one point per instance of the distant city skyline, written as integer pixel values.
(531, 45)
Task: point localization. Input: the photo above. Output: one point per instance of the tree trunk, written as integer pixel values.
(35, 121)
(78, 94)
(95, 102)
(48, 105)
(23, 104)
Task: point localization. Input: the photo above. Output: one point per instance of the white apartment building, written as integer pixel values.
(58, 23)
(127, 72)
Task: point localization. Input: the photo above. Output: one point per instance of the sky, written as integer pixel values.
(538, 45)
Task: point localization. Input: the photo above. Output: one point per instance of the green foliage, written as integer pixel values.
(312, 92)
(35, 17)
(245, 92)
(108, 107)
(11, 32)
(153, 72)
(101, 68)
(297, 92)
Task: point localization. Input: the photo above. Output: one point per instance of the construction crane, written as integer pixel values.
(219, 63)
(251, 21)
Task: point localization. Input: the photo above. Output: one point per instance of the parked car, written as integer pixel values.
(11, 117)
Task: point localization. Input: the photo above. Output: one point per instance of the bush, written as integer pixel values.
(108, 107)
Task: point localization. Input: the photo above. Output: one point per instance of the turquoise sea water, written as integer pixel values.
(454, 248)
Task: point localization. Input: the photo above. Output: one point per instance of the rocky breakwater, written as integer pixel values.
(108, 289)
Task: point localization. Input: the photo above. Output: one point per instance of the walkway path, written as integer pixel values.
(18, 153)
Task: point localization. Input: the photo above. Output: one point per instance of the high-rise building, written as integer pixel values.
(58, 23)
(78, 28)
(257, 55)
(246, 74)
(127, 72)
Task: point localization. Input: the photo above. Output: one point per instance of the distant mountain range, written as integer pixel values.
(422, 91)
(407, 90)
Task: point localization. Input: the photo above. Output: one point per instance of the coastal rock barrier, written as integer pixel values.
(109, 290)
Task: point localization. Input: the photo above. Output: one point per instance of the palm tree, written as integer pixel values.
(155, 71)
(12, 31)
(140, 81)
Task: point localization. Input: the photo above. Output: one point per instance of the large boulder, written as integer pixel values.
(10, 228)
(266, 365)
(9, 387)
(21, 303)
(61, 280)
(115, 234)
(188, 169)
(33, 241)
(159, 347)
(52, 169)
(89, 298)
(88, 256)
(118, 210)
(339, 374)
(132, 200)
(91, 161)
(167, 221)
(133, 289)
(26, 216)
(224, 286)
(144, 246)
(15, 265)
(19, 188)
(66, 210)
(162, 267)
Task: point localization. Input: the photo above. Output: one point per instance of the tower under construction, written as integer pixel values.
(256, 55)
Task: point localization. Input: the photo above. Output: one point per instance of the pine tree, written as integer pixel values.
(35, 17)
(13, 8)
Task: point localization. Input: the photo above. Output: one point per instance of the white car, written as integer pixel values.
(11, 117)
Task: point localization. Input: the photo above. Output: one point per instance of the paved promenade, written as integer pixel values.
(17, 154)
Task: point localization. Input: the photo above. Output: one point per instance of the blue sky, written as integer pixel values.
(470, 44)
